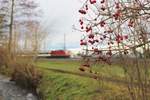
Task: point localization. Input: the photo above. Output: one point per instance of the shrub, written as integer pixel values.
(26, 75)
(21, 69)
(4, 57)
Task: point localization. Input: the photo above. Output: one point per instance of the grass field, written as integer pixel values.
(73, 65)
(70, 65)
(60, 86)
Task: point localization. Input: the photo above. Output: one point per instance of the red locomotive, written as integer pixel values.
(60, 54)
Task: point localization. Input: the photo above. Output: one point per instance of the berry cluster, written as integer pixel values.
(110, 30)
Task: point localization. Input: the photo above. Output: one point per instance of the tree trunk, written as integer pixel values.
(11, 28)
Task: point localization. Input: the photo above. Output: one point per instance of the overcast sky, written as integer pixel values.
(58, 18)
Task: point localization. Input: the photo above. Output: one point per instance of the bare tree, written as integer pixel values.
(19, 13)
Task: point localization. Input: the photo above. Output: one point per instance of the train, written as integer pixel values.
(55, 54)
(60, 54)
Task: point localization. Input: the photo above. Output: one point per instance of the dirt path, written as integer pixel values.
(9, 91)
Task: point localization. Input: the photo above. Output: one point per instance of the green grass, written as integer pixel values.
(109, 71)
(73, 65)
(69, 65)
(59, 86)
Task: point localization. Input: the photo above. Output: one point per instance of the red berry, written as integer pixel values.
(103, 8)
(102, 1)
(121, 38)
(130, 24)
(118, 41)
(91, 36)
(104, 36)
(92, 42)
(102, 23)
(88, 29)
(92, 1)
(80, 20)
(96, 40)
(126, 36)
(101, 38)
(117, 6)
(86, 6)
(81, 23)
(117, 15)
(83, 43)
(82, 11)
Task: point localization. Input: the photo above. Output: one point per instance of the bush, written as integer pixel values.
(26, 75)
(4, 57)
(21, 69)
